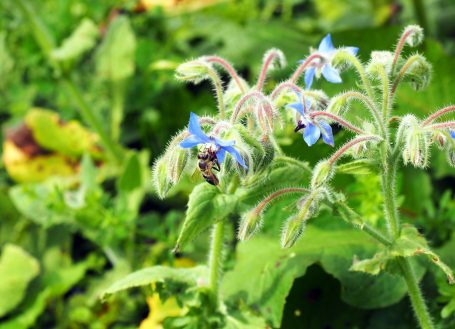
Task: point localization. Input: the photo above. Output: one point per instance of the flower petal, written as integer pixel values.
(327, 134)
(220, 155)
(309, 76)
(331, 74)
(236, 155)
(298, 107)
(222, 143)
(191, 141)
(452, 133)
(195, 128)
(326, 45)
(311, 134)
(352, 50)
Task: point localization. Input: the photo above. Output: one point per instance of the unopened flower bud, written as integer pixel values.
(160, 179)
(416, 148)
(279, 60)
(250, 224)
(338, 104)
(415, 36)
(440, 139)
(193, 71)
(380, 59)
(418, 74)
(322, 172)
(177, 158)
(292, 230)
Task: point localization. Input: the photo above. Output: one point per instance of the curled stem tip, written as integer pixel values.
(341, 151)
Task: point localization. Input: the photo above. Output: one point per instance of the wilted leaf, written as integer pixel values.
(17, 269)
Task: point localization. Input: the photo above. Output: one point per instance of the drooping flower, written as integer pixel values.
(323, 65)
(220, 147)
(312, 129)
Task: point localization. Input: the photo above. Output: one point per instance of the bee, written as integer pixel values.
(208, 161)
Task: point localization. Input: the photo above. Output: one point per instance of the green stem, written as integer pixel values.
(385, 92)
(89, 117)
(391, 215)
(417, 300)
(215, 257)
(354, 218)
(46, 43)
(388, 190)
(359, 67)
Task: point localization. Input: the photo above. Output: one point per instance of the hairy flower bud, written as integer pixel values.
(193, 71)
(380, 59)
(292, 230)
(251, 223)
(322, 172)
(177, 159)
(439, 139)
(160, 179)
(418, 74)
(415, 35)
(338, 104)
(416, 147)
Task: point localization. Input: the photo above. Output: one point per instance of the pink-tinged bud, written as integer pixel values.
(414, 34)
(440, 139)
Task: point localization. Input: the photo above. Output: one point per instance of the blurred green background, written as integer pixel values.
(74, 218)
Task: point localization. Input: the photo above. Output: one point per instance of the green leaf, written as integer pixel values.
(17, 269)
(358, 167)
(264, 273)
(409, 244)
(131, 176)
(206, 206)
(115, 56)
(147, 276)
(80, 41)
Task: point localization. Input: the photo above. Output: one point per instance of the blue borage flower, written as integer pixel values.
(219, 146)
(312, 129)
(323, 65)
(452, 133)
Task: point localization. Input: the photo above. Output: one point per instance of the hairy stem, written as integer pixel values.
(218, 90)
(341, 151)
(415, 295)
(228, 67)
(339, 120)
(442, 125)
(399, 48)
(277, 194)
(354, 218)
(438, 114)
(385, 92)
(216, 257)
(393, 224)
(265, 67)
(303, 67)
(402, 72)
(359, 67)
(243, 101)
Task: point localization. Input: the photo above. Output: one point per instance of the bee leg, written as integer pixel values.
(216, 165)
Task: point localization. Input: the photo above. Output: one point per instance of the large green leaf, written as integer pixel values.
(264, 273)
(206, 206)
(115, 56)
(154, 274)
(17, 269)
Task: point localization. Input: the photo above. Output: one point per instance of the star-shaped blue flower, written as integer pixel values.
(312, 129)
(197, 137)
(326, 50)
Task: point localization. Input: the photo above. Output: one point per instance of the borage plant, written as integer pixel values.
(237, 154)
